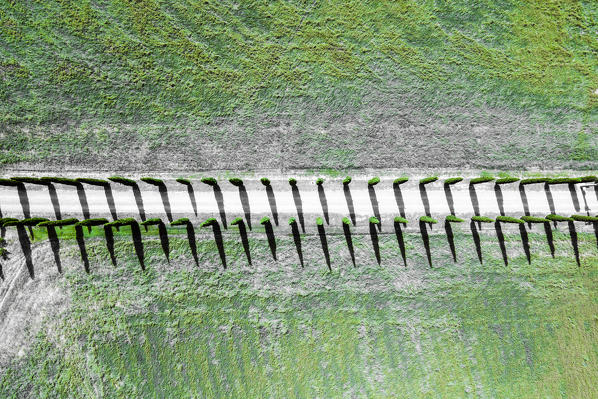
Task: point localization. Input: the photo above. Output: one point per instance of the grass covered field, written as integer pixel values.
(298, 84)
(274, 329)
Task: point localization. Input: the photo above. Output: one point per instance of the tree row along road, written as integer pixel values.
(330, 200)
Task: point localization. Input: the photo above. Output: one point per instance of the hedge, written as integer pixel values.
(319, 221)
(180, 222)
(507, 180)
(151, 222)
(208, 222)
(479, 180)
(96, 182)
(347, 180)
(564, 180)
(428, 180)
(399, 219)
(27, 179)
(120, 222)
(373, 181)
(3, 221)
(293, 181)
(93, 222)
(584, 218)
(153, 181)
(534, 180)
(183, 181)
(58, 223)
(453, 180)
(400, 180)
(320, 181)
(122, 180)
(60, 180)
(482, 219)
(9, 182)
(347, 221)
(210, 181)
(509, 219)
(453, 219)
(235, 181)
(374, 220)
(588, 179)
(265, 220)
(265, 181)
(558, 218)
(33, 221)
(236, 221)
(534, 219)
(292, 221)
(428, 219)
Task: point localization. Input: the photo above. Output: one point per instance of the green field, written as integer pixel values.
(276, 330)
(298, 84)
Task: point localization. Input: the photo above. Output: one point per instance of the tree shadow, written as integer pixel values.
(449, 199)
(550, 200)
(524, 202)
(271, 238)
(375, 207)
(244, 240)
(297, 239)
(272, 202)
(26, 248)
(323, 202)
(219, 243)
(476, 240)
(109, 236)
(375, 243)
(475, 202)
(299, 206)
(164, 241)
(192, 241)
(525, 242)
(54, 201)
(349, 199)
(424, 196)
(191, 193)
(324, 243)
(451, 239)
(399, 199)
(573, 234)
(220, 202)
(499, 199)
(55, 246)
(595, 225)
(401, 241)
(549, 237)
(110, 201)
(83, 201)
(425, 238)
(139, 201)
(349, 239)
(501, 242)
(81, 243)
(245, 204)
(574, 196)
(138, 243)
(165, 201)
(24, 200)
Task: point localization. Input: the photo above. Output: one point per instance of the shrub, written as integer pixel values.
(265, 220)
(509, 219)
(183, 181)
(210, 181)
(453, 180)
(122, 180)
(9, 182)
(319, 221)
(180, 222)
(584, 218)
(507, 180)
(153, 181)
(533, 219)
(208, 222)
(265, 181)
(60, 180)
(293, 181)
(236, 221)
(292, 221)
(373, 181)
(347, 180)
(320, 181)
(95, 182)
(564, 180)
(428, 180)
(483, 179)
(3, 221)
(346, 221)
(151, 222)
(235, 181)
(482, 219)
(534, 180)
(428, 219)
(399, 219)
(58, 223)
(400, 180)
(374, 220)
(33, 221)
(588, 179)
(26, 179)
(93, 222)
(558, 218)
(453, 219)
